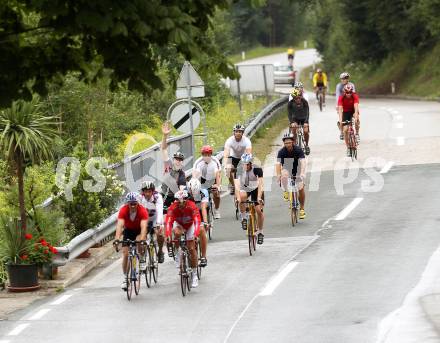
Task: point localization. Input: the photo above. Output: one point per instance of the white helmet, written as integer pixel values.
(181, 195)
(344, 75)
(194, 186)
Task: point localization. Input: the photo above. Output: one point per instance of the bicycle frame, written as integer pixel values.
(293, 200)
(352, 142)
(252, 225)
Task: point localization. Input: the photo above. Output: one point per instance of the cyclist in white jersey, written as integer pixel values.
(153, 202)
(207, 168)
(235, 146)
(249, 183)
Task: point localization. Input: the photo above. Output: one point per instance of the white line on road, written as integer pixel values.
(61, 299)
(18, 329)
(386, 168)
(350, 207)
(276, 281)
(39, 314)
(400, 140)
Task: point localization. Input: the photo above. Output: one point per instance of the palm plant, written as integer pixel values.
(26, 137)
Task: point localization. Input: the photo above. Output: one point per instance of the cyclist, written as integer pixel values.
(345, 79)
(201, 199)
(183, 217)
(249, 183)
(320, 82)
(348, 107)
(174, 176)
(207, 168)
(291, 162)
(132, 225)
(153, 202)
(290, 55)
(235, 146)
(298, 113)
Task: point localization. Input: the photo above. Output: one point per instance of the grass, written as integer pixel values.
(262, 141)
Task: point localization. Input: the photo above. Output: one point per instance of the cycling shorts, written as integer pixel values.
(347, 116)
(300, 121)
(189, 232)
(320, 84)
(131, 235)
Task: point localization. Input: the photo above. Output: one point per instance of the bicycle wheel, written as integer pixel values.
(254, 229)
(292, 208)
(148, 271)
(210, 221)
(199, 254)
(189, 273)
(136, 275)
(182, 272)
(320, 101)
(352, 144)
(128, 279)
(155, 263)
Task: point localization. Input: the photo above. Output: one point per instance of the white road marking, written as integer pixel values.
(61, 299)
(18, 329)
(350, 207)
(39, 314)
(400, 140)
(386, 168)
(276, 281)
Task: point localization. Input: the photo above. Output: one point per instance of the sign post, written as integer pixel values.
(190, 85)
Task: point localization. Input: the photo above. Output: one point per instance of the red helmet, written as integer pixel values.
(348, 88)
(206, 149)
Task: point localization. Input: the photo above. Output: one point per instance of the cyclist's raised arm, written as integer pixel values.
(164, 146)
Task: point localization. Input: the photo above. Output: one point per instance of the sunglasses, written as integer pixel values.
(132, 203)
(178, 159)
(348, 93)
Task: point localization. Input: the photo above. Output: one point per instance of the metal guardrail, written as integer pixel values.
(97, 235)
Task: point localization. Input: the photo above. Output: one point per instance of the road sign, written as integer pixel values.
(181, 120)
(189, 81)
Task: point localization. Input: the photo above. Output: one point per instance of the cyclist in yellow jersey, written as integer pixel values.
(290, 55)
(320, 81)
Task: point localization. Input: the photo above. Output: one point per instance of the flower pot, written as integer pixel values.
(23, 277)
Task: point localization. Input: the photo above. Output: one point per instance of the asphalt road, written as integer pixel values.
(333, 278)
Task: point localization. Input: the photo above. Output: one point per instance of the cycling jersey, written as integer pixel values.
(297, 112)
(321, 80)
(186, 217)
(237, 148)
(132, 222)
(208, 171)
(347, 103)
(249, 179)
(154, 205)
(172, 179)
(340, 89)
(289, 159)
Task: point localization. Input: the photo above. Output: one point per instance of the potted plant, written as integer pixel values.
(23, 255)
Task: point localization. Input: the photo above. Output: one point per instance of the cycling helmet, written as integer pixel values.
(348, 88)
(147, 185)
(296, 92)
(206, 149)
(246, 158)
(181, 195)
(132, 197)
(298, 85)
(344, 75)
(319, 70)
(238, 127)
(179, 156)
(288, 135)
(194, 186)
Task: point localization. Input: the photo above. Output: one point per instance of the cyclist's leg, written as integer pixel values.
(258, 209)
(301, 196)
(306, 132)
(178, 230)
(357, 124)
(160, 239)
(191, 246)
(293, 128)
(243, 197)
(216, 198)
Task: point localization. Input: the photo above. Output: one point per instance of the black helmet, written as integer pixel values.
(179, 156)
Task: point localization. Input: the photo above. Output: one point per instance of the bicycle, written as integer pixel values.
(251, 228)
(299, 134)
(210, 214)
(293, 201)
(320, 96)
(133, 276)
(352, 142)
(199, 255)
(152, 271)
(185, 270)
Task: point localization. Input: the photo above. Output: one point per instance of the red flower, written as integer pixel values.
(28, 236)
(44, 243)
(24, 257)
(53, 250)
(46, 251)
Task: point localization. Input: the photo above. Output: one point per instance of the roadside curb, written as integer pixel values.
(75, 270)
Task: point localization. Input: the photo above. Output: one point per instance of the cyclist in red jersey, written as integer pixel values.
(132, 225)
(348, 106)
(183, 216)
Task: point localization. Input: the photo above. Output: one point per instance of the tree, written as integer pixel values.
(40, 40)
(26, 136)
